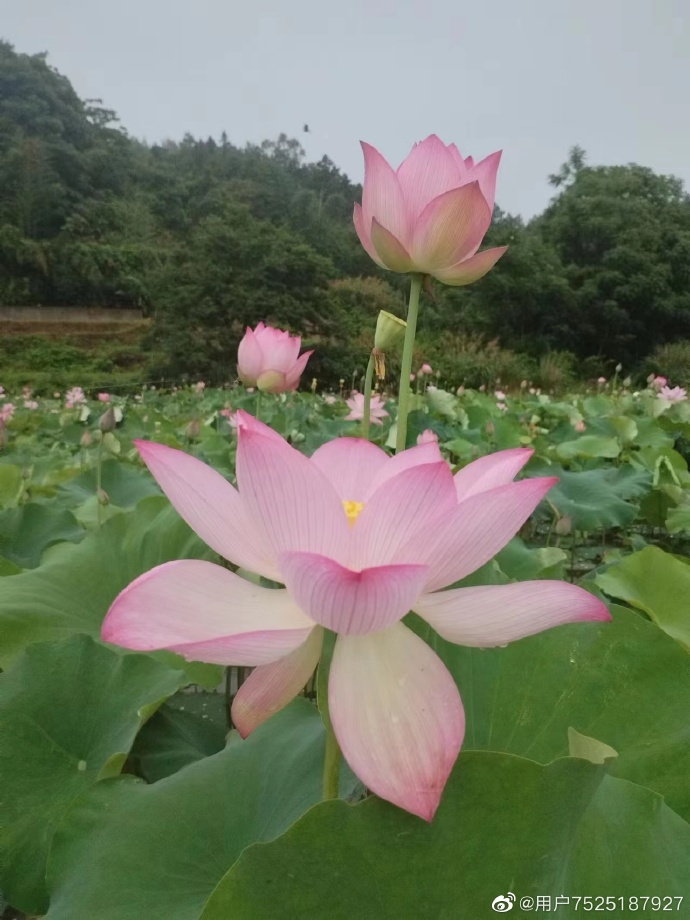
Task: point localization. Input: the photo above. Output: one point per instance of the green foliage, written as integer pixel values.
(672, 360)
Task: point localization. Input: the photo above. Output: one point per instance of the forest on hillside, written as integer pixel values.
(206, 236)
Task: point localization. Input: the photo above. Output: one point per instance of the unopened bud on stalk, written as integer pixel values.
(564, 526)
(108, 422)
(86, 439)
(390, 331)
(193, 429)
(103, 497)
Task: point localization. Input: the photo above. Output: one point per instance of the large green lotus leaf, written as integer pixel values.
(187, 728)
(72, 590)
(596, 499)
(125, 485)
(658, 584)
(27, 530)
(678, 519)
(505, 824)
(625, 683)
(128, 851)
(11, 485)
(588, 446)
(521, 563)
(69, 712)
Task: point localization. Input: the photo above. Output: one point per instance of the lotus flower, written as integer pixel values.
(269, 359)
(430, 214)
(358, 538)
(356, 406)
(673, 394)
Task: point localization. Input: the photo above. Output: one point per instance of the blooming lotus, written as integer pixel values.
(673, 394)
(269, 359)
(358, 539)
(356, 406)
(429, 215)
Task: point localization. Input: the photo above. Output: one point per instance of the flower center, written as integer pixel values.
(353, 511)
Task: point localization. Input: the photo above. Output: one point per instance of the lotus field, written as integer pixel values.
(408, 649)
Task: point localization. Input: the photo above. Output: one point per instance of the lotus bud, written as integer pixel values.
(193, 430)
(86, 439)
(107, 421)
(390, 331)
(564, 526)
(103, 497)
(619, 368)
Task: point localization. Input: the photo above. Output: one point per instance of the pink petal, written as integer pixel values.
(289, 500)
(475, 530)
(209, 504)
(249, 358)
(469, 162)
(351, 602)
(205, 613)
(382, 197)
(296, 371)
(364, 234)
(450, 228)
(418, 455)
(429, 170)
(490, 471)
(470, 270)
(458, 159)
(391, 251)
(350, 464)
(400, 508)
(485, 173)
(270, 687)
(499, 614)
(397, 715)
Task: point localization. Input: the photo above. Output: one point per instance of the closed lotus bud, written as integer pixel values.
(269, 359)
(619, 368)
(103, 497)
(193, 430)
(108, 422)
(564, 526)
(390, 331)
(86, 439)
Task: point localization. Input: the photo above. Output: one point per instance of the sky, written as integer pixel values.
(531, 77)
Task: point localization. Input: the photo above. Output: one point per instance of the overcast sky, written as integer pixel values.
(532, 77)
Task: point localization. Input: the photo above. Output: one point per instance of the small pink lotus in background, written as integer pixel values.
(673, 394)
(74, 397)
(601, 381)
(359, 539)
(330, 399)
(7, 410)
(269, 359)
(429, 215)
(425, 369)
(580, 426)
(30, 404)
(200, 386)
(104, 397)
(427, 437)
(231, 415)
(356, 406)
(658, 382)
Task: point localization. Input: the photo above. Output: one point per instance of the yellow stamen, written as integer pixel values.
(353, 511)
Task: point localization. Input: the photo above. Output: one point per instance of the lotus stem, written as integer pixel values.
(406, 369)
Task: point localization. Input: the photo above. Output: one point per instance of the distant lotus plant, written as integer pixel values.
(269, 359)
(359, 539)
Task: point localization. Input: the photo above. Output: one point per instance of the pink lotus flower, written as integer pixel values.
(30, 404)
(6, 412)
(427, 437)
(356, 406)
(601, 381)
(358, 538)
(269, 359)
(425, 369)
(104, 397)
(580, 426)
(74, 397)
(673, 394)
(430, 215)
(658, 382)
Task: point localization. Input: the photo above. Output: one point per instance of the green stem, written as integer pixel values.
(331, 767)
(99, 466)
(257, 404)
(406, 369)
(366, 415)
(331, 764)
